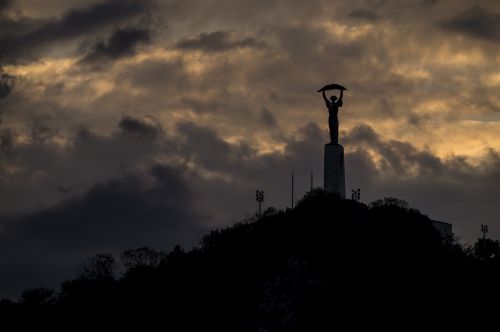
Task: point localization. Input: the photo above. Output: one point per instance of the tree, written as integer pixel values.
(37, 296)
(141, 257)
(390, 201)
(487, 248)
(101, 267)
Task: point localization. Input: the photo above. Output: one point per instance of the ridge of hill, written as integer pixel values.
(289, 270)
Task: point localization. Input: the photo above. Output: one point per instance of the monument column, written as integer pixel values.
(334, 171)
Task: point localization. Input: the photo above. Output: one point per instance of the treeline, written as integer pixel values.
(290, 270)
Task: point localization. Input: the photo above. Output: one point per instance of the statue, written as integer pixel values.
(334, 171)
(333, 109)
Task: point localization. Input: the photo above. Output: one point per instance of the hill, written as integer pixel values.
(292, 270)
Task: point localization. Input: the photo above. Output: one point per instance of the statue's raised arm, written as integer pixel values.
(327, 102)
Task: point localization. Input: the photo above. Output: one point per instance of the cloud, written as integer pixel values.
(121, 44)
(204, 146)
(476, 22)
(364, 14)
(6, 139)
(200, 106)
(268, 118)
(42, 164)
(155, 77)
(42, 129)
(396, 158)
(156, 209)
(141, 129)
(121, 211)
(74, 23)
(4, 4)
(218, 41)
(6, 84)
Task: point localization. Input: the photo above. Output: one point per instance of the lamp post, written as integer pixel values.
(259, 197)
(484, 229)
(356, 195)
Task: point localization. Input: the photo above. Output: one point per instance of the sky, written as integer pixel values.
(127, 123)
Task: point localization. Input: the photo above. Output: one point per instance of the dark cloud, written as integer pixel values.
(429, 2)
(156, 209)
(218, 41)
(268, 118)
(398, 158)
(140, 128)
(84, 159)
(156, 77)
(42, 129)
(476, 22)
(418, 119)
(204, 147)
(6, 84)
(364, 14)
(121, 44)
(119, 212)
(72, 24)
(4, 4)
(362, 133)
(6, 87)
(200, 106)
(7, 137)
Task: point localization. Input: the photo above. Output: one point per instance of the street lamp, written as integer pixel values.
(259, 197)
(484, 229)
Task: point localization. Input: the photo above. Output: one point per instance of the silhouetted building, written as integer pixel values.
(445, 229)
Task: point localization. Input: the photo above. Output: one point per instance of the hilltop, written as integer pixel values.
(289, 270)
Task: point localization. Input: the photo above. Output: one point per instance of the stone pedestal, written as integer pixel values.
(334, 176)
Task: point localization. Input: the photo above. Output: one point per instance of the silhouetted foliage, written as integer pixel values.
(300, 269)
(99, 267)
(37, 296)
(390, 202)
(141, 257)
(487, 249)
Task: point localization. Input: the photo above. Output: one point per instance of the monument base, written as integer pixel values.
(334, 176)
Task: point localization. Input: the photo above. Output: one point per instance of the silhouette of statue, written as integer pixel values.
(333, 121)
(334, 172)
